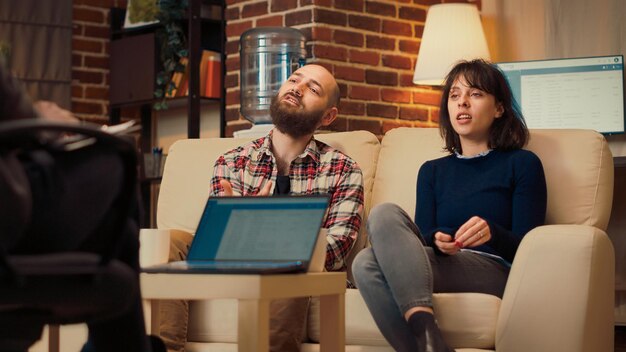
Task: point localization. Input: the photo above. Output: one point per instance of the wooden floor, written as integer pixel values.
(620, 339)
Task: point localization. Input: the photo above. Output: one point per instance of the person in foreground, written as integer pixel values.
(473, 207)
(288, 161)
(65, 216)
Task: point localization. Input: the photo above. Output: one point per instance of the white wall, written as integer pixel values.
(547, 29)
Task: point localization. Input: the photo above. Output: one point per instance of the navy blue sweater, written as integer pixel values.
(506, 188)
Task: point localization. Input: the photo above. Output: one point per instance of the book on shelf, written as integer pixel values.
(213, 76)
(177, 79)
(210, 76)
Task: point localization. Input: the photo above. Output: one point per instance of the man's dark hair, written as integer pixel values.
(14, 102)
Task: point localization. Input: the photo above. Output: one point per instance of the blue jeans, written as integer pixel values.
(398, 272)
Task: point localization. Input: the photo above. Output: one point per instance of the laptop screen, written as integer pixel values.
(258, 228)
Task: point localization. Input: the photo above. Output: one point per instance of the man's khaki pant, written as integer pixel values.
(287, 316)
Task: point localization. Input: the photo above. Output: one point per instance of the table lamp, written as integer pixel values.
(452, 32)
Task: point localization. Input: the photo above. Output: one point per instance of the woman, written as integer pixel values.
(473, 208)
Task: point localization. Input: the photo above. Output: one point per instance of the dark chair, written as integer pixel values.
(64, 287)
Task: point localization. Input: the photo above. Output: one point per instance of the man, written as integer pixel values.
(59, 214)
(287, 161)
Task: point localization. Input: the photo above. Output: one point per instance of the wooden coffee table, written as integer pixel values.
(254, 293)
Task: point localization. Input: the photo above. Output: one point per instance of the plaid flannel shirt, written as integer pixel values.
(320, 169)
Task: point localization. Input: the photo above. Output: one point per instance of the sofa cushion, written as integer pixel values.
(465, 319)
(578, 166)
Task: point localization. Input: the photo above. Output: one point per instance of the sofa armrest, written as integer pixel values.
(560, 292)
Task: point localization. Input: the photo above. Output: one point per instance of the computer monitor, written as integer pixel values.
(570, 93)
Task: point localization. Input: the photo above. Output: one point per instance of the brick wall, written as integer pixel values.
(90, 58)
(370, 47)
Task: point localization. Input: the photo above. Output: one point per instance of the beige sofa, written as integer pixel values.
(560, 293)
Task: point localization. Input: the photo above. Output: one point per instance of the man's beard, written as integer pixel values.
(293, 121)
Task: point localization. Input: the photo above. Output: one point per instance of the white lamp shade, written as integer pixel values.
(452, 32)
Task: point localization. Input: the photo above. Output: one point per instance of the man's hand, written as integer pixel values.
(228, 189)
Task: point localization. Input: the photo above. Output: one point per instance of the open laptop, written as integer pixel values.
(255, 235)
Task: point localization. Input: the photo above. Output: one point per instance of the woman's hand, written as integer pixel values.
(446, 243)
(473, 233)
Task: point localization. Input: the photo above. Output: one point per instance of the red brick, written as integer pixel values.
(77, 30)
(322, 3)
(397, 61)
(343, 90)
(232, 2)
(87, 108)
(307, 32)
(384, 78)
(351, 5)
(97, 32)
(87, 76)
(409, 46)
(230, 129)
(364, 57)
(419, 30)
(235, 29)
(299, 17)
(77, 60)
(388, 125)
(321, 34)
(254, 10)
(339, 125)
(349, 73)
(232, 114)
(233, 64)
(429, 2)
(86, 45)
(77, 91)
(232, 13)
(434, 115)
(370, 93)
(413, 113)
(86, 15)
(382, 110)
(97, 3)
(351, 108)
(364, 22)
(397, 28)
(412, 14)
(348, 38)
(322, 51)
(429, 98)
(330, 17)
(374, 126)
(395, 96)
(97, 62)
(232, 97)
(232, 47)
(406, 80)
(272, 21)
(374, 42)
(98, 93)
(231, 80)
(381, 9)
(283, 5)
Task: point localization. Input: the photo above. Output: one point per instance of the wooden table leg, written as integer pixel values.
(152, 316)
(253, 325)
(332, 323)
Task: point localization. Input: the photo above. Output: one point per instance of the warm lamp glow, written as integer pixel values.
(452, 32)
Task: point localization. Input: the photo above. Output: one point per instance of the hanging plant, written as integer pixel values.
(173, 41)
